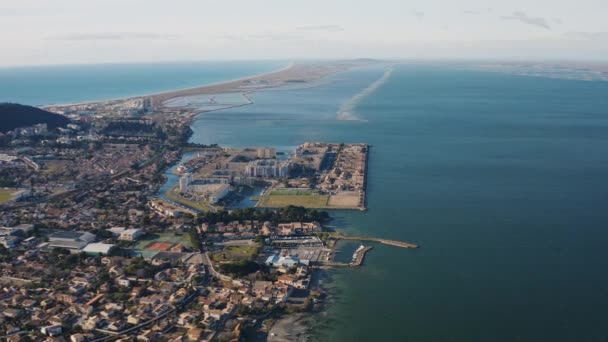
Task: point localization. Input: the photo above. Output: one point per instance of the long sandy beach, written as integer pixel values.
(299, 72)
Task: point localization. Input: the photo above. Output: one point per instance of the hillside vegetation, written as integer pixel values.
(14, 115)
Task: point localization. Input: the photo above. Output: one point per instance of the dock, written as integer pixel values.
(360, 256)
(357, 260)
(395, 243)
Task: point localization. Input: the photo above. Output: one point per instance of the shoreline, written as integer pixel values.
(207, 88)
(291, 64)
(294, 72)
(288, 326)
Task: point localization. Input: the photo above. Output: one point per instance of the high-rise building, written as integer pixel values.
(266, 152)
(184, 182)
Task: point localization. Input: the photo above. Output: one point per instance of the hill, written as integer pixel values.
(14, 115)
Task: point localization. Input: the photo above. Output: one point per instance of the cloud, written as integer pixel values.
(524, 18)
(417, 14)
(114, 36)
(298, 34)
(477, 11)
(11, 12)
(274, 36)
(325, 28)
(31, 12)
(230, 37)
(588, 35)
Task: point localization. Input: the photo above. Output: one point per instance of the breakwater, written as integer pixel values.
(395, 243)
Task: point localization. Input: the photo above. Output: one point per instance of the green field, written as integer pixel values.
(235, 253)
(289, 191)
(5, 195)
(183, 239)
(281, 198)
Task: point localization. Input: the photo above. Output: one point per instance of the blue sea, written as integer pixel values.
(44, 85)
(500, 178)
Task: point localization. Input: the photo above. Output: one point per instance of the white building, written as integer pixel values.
(268, 168)
(7, 158)
(98, 248)
(131, 234)
(212, 192)
(116, 231)
(285, 261)
(184, 182)
(30, 131)
(266, 152)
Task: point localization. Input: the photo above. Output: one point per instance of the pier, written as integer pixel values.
(360, 256)
(357, 260)
(395, 243)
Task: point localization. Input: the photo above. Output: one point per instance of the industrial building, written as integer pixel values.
(98, 249)
(71, 240)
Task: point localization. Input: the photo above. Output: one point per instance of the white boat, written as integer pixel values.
(180, 170)
(357, 252)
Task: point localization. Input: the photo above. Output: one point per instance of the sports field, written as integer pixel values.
(5, 195)
(162, 242)
(159, 246)
(235, 253)
(281, 198)
(289, 191)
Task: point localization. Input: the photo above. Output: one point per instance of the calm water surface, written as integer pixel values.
(45, 85)
(500, 178)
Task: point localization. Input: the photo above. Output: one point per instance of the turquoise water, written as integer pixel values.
(45, 85)
(500, 179)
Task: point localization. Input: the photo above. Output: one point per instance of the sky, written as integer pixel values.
(41, 32)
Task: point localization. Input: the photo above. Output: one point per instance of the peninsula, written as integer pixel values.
(316, 175)
(293, 73)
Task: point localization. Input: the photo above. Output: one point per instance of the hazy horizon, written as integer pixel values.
(598, 62)
(132, 31)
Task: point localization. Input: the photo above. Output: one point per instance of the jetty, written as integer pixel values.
(395, 243)
(360, 255)
(358, 258)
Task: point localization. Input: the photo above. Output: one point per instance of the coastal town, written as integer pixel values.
(91, 249)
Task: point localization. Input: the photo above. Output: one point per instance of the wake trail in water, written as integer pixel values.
(346, 111)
